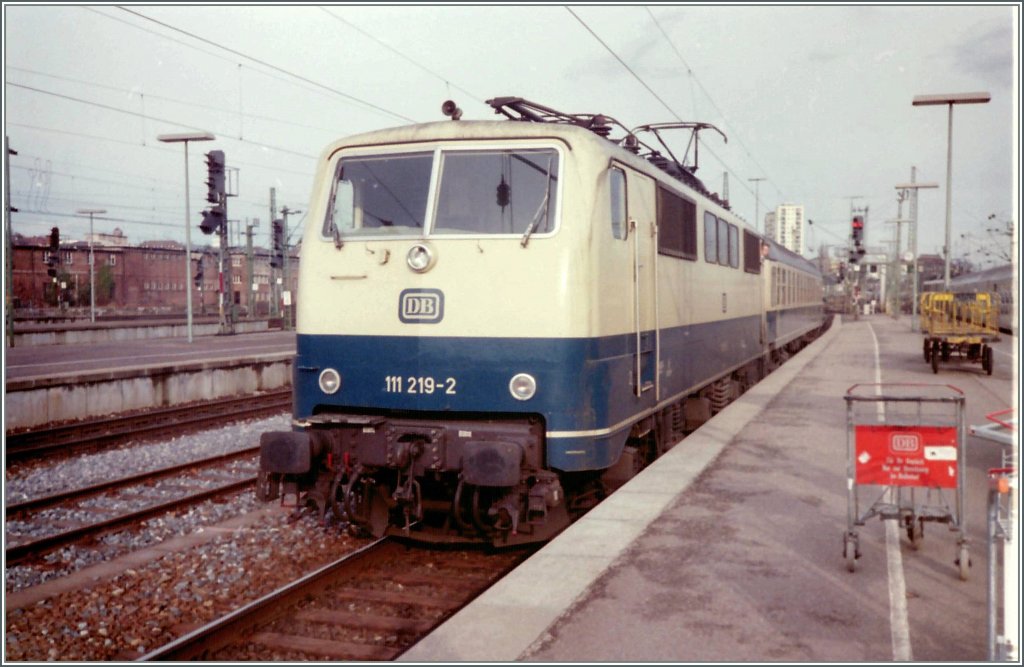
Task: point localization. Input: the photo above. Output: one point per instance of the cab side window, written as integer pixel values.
(617, 189)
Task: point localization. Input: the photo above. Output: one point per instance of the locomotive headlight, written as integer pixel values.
(420, 258)
(523, 387)
(330, 381)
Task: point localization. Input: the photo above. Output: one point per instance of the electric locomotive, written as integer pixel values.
(502, 321)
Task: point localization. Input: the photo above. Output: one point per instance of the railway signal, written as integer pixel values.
(213, 219)
(277, 241)
(53, 259)
(857, 229)
(215, 176)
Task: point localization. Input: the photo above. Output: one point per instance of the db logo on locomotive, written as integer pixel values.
(421, 306)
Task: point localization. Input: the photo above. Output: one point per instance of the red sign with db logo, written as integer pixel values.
(906, 455)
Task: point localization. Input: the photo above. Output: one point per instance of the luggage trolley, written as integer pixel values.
(960, 327)
(906, 442)
(1002, 537)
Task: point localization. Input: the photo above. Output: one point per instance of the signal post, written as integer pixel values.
(215, 219)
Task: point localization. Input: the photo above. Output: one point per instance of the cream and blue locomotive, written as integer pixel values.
(501, 321)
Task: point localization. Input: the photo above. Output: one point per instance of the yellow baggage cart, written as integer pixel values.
(959, 328)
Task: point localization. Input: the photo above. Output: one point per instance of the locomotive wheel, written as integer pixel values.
(366, 506)
(336, 499)
(986, 359)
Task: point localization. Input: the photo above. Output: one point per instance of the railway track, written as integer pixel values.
(194, 485)
(98, 433)
(372, 604)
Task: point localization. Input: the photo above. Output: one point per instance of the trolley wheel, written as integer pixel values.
(935, 357)
(947, 351)
(850, 552)
(986, 359)
(927, 351)
(915, 533)
(963, 561)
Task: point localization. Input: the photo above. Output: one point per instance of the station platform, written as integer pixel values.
(49, 384)
(729, 547)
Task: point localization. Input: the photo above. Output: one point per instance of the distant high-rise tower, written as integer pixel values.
(769, 225)
(786, 226)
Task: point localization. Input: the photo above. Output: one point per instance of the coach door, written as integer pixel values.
(643, 231)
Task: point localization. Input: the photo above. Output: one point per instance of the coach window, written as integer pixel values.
(617, 189)
(710, 238)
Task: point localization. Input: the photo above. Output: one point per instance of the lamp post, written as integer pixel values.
(902, 188)
(92, 262)
(757, 201)
(949, 100)
(184, 138)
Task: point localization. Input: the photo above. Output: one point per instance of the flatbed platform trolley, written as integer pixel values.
(905, 451)
(960, 328)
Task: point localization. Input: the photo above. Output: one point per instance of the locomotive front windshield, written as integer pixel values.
(483, 192)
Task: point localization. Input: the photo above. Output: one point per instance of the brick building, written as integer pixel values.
(145, 278)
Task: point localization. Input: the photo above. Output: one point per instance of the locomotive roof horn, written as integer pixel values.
(450, 109)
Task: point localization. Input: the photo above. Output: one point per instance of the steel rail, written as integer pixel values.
(95, 489)
(221, 632)
(37, 443)
(20, 552)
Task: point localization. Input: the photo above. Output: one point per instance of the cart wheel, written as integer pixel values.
(915, 533)
(946, 351)
(986, 359)
(963, 562)
(850, 553)
(927, 350)
(935, 357)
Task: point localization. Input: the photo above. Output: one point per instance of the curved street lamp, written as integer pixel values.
(949, 100)
(185, 137)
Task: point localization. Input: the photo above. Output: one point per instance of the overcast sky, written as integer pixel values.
(814, 99)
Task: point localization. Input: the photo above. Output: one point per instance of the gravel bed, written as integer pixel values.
(23, 483)
(147, 606)
(91, 468)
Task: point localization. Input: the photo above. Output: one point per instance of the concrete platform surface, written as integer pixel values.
(729, 547)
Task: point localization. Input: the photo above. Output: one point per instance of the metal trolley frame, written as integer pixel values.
(906, 443)
(1002, 538)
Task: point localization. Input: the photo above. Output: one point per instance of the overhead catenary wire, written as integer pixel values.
(264, 63)
(656, 96)
(196, 105)
(162, 120)
(387, 46)
(147, 146)
(693, 78)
